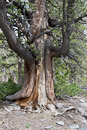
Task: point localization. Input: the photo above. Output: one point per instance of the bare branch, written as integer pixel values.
(80, 18)
(73, 58)
(42, 33)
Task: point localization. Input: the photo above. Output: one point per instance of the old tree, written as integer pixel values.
(36, 25)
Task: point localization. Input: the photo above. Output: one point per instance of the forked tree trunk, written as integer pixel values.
(38, 84)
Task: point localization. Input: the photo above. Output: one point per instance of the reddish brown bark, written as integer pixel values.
(49, 75)
(43, 83)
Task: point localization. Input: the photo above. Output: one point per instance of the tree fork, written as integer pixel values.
(38, 82)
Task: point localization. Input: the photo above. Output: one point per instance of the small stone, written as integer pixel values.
(60, 123)
(8, 109)
(48, 127)
(60, 105)
(70, 116)
(82, 100)
(74, 126)
(23, 113)
(75, 97)
(1, 122)
(51, 107)
(13, 104)
(84, 121)
(56, 113)
(16, 108)
(11, 108)
(42, 120)
(81, 110)
(83, 105)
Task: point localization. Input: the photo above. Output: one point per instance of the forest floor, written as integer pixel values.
(73, 116)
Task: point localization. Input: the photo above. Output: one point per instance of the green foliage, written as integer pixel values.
(7, 88)
(67, 89)
(28, 125)
(62, 84)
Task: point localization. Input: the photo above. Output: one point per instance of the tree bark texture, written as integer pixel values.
(38, 85)
(19, 71)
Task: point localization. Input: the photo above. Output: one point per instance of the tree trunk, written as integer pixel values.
(49, 71)
(38, 83)
(19, 71)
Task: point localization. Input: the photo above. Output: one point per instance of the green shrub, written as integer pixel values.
(67, 89)
(62, 84)
(7, 88)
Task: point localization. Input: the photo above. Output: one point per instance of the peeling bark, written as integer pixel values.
(49, 71)
(28, 83)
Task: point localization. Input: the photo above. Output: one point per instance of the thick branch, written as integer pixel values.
(12, 40)
(73, 58)
(56, 51)
(42, 33)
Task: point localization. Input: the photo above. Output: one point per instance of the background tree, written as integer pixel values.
(9, 61)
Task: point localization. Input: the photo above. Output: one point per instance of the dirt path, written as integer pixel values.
(74, 118)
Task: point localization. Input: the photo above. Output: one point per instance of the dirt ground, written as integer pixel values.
(74, 116)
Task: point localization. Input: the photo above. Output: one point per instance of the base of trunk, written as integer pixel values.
(34, 90)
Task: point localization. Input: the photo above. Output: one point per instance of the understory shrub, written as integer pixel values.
(7, 88)
(67, 89)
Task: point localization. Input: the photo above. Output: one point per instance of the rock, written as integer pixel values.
(75, 126)
(16, 108)
(82, 100)
(1, 122)
(70, 116)
(60, 123)
(75, 97)
(84, 105)
(83, 129)
(85, 116)
(84, 121)
(51, 107)
(8, 109)
(42, 120)
(23, 113)
(60, 105)
(81, 110)
(13, 104)
(48, 127)
(56, 113)
(11, 108)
